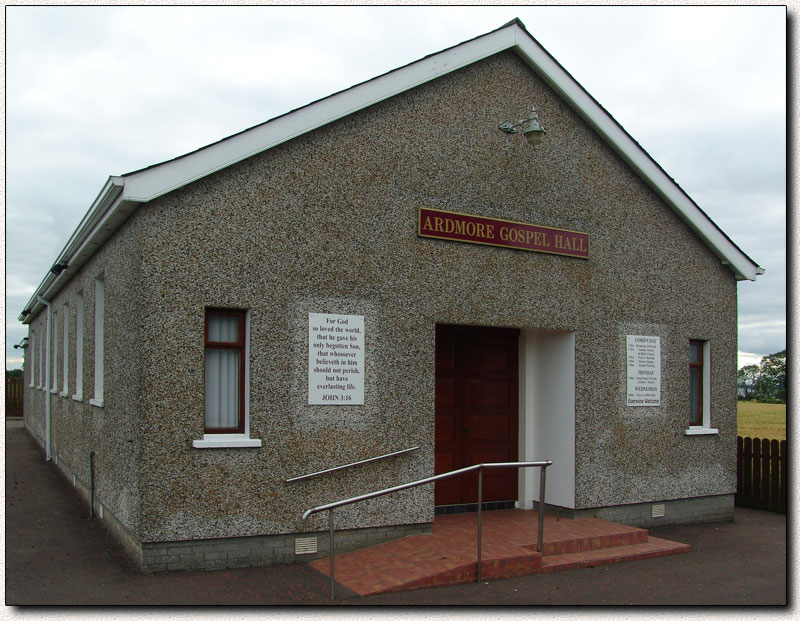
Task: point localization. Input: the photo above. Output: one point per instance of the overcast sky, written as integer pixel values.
(96, 91)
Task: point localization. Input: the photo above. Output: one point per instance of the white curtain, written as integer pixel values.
(222, 328)
(222, 375)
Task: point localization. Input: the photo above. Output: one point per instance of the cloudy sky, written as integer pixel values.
(96, 91)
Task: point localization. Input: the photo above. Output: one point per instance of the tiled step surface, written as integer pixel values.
(448, 555)
(652, 548)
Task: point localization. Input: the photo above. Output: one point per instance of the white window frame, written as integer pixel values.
(32, 350)
(235, 440)
(705, 429)
(41, 360)
(54, 344)
(99, 330)
(78, 396)
(65, 354)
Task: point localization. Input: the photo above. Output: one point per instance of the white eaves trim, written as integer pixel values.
(586, 106)
(147, 184)
(121, 195)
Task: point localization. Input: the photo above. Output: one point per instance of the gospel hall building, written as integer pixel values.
(392, 267)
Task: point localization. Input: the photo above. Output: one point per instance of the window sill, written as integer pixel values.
(77, 397)
(96, 402)
(63, 394)
(54, 390)
(700, 431)
(226, 440)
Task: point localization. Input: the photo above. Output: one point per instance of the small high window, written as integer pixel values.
(31, 364)
(99, 330)
(54, 345)
(65, 356)
(41, 360)
(78, 396)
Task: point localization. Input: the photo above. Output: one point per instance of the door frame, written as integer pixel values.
(547, 415)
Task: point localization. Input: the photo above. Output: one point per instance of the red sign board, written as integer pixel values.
(505, 233)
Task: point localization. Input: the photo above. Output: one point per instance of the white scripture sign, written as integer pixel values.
(335, 359)
(644, 370)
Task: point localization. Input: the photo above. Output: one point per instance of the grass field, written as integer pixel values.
(762, 420)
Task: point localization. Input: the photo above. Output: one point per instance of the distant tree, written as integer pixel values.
(773, 375)
(746, 379)
(13, 372)
(766, 381)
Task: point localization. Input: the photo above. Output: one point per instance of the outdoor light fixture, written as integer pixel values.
(533, 132)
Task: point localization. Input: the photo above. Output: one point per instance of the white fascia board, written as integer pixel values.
(150, 183)
(120, 195)
(98, 209)
(635, 156)
(103, 207)
(147, 184)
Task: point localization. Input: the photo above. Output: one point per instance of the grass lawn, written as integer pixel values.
(762, 420)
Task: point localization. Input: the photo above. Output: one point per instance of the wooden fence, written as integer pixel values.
(761, 473)
(13, 396)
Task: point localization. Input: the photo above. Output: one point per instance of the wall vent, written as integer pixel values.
(658, 510)
(305, 545)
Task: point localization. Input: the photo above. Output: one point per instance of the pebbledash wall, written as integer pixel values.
(327, 222)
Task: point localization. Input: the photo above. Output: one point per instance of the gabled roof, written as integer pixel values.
(122, 194)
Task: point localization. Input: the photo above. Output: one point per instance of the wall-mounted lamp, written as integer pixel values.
(533, 132)
(58, 268)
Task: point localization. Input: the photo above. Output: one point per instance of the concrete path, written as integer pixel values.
(56, 556)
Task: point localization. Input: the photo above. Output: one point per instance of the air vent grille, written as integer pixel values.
(305, 545)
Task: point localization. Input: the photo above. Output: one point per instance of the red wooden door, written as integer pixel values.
(476, 411)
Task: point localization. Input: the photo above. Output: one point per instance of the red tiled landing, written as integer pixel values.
(448, 555)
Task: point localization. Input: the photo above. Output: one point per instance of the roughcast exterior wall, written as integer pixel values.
(327, 223)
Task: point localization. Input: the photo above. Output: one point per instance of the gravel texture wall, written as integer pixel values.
(327, 223)
(76, 426)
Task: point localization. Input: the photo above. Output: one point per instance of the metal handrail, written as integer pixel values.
(355, 463)
(479, 467)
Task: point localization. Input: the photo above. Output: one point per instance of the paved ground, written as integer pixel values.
(56, 556)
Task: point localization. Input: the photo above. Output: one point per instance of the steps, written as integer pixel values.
(448, 555)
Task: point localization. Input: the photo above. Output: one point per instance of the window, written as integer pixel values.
(30, 351)
(226, 380)
(99, 320)
(695, 383)
(224, 366)
(54, 387)
(65, 356)
(78, 396)
(699, 389)
(41, 358)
